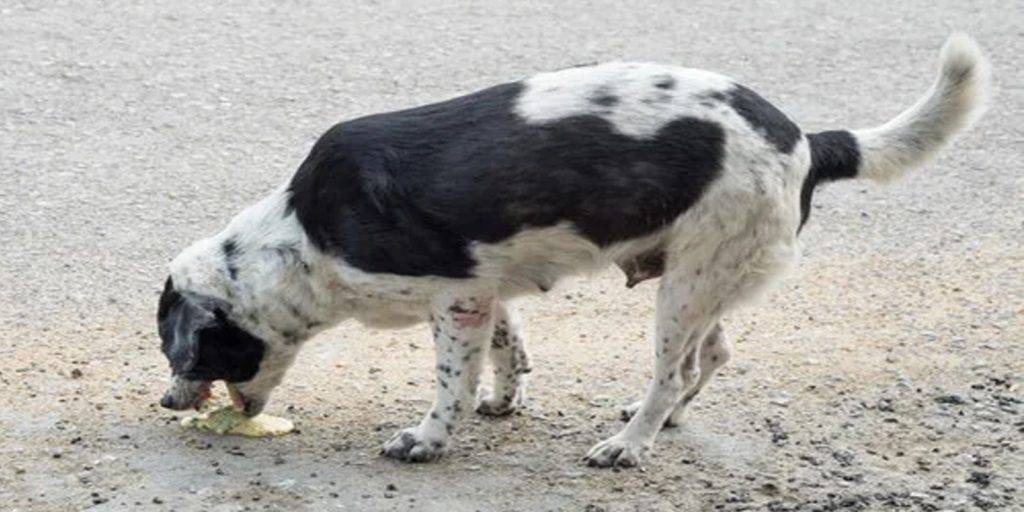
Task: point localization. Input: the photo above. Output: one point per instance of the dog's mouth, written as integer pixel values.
(195, 394)
(185, 394)
(204, 394)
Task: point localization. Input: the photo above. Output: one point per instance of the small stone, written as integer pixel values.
(951, 400)
(885, 405)
(287, 483)
(76, 373)
(980, 479)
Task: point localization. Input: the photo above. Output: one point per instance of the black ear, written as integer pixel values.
(227, 352)
(179, 320)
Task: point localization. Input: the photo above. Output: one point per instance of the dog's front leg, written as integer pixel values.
(462, 329)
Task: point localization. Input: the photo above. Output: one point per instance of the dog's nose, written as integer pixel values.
(167, 402)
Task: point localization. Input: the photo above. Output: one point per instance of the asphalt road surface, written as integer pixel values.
(884, 374)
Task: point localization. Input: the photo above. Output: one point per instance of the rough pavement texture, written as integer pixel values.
(883, 374)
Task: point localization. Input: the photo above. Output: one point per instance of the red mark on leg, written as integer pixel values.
(474, 314)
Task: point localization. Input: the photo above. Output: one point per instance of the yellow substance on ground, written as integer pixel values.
(228, 420)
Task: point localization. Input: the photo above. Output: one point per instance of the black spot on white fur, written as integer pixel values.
(665, 82)
(604, 98)
(407, 192)
(230, 249)
(771, 123)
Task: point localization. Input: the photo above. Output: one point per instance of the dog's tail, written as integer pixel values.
(955, 100)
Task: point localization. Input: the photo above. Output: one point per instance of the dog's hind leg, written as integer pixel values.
(686, 312)
(510, 362)
(701, 282)
(463, 326)
(715, 352)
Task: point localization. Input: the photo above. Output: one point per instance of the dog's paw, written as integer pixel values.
(627, 412)
(615, 451)
(410, 446)
(491, 404)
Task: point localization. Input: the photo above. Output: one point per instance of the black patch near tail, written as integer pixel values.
(773, 125)
(834, 155)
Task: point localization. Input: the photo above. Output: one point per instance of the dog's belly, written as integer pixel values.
(390, 316)
(533, 260)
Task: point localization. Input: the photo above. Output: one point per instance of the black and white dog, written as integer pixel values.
(444, 213)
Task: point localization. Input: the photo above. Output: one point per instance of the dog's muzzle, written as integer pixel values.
(186, 394)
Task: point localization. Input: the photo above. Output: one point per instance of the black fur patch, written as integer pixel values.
(201, 342)
(406, 192)
(834, 155)
(771, 123)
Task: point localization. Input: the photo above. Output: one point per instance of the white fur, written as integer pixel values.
(715, 352)
(956, 99)
(639, 113)
(510, 363)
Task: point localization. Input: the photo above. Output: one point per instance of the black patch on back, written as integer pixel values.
(771, 123)
(407, 192)
(230, 249)
(834, 155)
(201, 342)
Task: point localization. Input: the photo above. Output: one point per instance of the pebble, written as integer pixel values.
(951, 399)
(885, 405)
(979, 478)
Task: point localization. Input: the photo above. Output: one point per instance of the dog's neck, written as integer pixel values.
(262, 266)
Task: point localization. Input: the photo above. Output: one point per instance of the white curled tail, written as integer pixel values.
(956, 99)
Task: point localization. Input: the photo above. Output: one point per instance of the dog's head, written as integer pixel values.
(203, 344)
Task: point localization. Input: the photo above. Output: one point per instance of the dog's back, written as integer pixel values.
(613, 153)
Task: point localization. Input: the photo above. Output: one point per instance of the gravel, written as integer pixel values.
(884, 374)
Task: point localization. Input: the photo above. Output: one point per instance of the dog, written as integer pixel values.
(446, 212)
